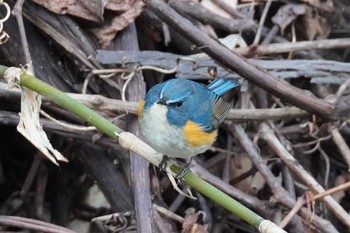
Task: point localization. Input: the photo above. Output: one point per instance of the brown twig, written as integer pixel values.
(203, 15)
(225, 176)
(341, 145)
(271, 34)
(32, 224)
(274, 143)
(59, 37)
(239, 195)
(196, 66)
(3, 34)
(279, 192)
(298, 205)
(31, 175)
(40, 191)
(104, 104)
(229, 9)
(331, 191)
(295, 46)
(327, 165)
(168, 213)
(261, 23)
(110, 180)
(12, 119)
(17, 12)
(140, 181)
(176, 204)
(240, 65)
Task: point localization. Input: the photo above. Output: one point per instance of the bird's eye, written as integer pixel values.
(176, 104)
(179, 104)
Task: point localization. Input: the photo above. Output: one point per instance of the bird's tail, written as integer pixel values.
(221, 85)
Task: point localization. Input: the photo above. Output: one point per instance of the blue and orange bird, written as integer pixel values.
(180, 118)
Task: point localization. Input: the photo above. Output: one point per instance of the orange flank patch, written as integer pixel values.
(140, 108)
(195, 136)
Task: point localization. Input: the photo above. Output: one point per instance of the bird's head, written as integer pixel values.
(181, 98)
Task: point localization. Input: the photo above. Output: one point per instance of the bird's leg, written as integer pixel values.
(165, 166)
(186, 168)
(164, 163)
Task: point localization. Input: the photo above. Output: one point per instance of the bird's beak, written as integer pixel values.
(162, 101)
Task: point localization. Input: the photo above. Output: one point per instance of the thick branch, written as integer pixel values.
(196, 66)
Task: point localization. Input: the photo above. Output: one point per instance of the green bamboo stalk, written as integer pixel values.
(220, 197)
(112, 131)
(68, 103)
(2, 71)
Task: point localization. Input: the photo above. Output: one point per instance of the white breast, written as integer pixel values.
(164, 137)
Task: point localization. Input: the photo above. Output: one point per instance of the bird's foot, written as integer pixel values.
(184, 170)
(168, 161)
(164, 163)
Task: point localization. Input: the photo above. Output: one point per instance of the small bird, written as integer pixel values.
(180, 118)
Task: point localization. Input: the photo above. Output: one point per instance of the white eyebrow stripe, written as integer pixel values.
(161, 94)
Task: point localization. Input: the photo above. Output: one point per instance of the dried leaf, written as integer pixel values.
(316, 26)
(287, 14)
(210, 5)
(91, 10)
(233, 41)
(29, 125)
(249, 184)
(324, 5)
(120, 5)
(193, 222)
(107, 33)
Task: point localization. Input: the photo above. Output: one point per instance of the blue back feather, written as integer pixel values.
(201, 104)
(222, 85)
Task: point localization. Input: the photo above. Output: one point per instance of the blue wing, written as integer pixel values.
(220, 106)
(222, 85)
